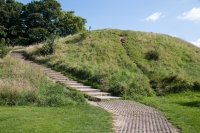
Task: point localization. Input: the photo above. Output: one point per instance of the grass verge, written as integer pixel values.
(68, 119)
(181, 109)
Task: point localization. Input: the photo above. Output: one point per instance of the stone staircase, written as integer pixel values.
(91, 93)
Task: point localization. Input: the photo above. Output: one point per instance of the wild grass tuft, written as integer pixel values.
(22, 84)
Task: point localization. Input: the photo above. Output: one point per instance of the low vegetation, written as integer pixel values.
(171, 64)
(21, 84)
(30, 102)
(3, 48)
(126, 63)
(181, 109)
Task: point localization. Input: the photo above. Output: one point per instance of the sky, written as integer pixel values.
(178, 18)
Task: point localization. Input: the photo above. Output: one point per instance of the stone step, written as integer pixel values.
(33, 64)
(18, 56)
(59, 78)
(105, 98)
(79, 86)
(71, 83)
(68, 81)
(88, 90)
(18, 51)
(55, 74)
(98, 93)
(15, 54)
(52, 72)
(46, 69)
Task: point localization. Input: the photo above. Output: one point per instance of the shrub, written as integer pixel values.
(196, 86)
(84, 35)
(3, 48)
(8, 97)
(174, 84)
(75, 95)
(152, 55)
(49, 46)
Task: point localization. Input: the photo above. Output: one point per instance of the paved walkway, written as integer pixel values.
(134, 117)
(130, 117)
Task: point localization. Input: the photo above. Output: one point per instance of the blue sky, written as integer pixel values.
(179, 18)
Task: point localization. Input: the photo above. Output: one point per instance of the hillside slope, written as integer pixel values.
(126, 63)
(22, 84)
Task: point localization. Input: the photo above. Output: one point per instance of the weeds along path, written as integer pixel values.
(130, 117)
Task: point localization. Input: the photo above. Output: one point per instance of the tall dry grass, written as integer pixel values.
(19, 76)
(22, 84)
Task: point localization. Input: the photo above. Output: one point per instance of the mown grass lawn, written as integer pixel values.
(68, 119)
(182, 109)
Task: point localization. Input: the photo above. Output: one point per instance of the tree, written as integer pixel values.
(10, 23)
(3, 48)
(68, 23)
(36, 21)
(39, 19)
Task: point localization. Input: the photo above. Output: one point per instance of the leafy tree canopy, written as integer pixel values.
(34, 22)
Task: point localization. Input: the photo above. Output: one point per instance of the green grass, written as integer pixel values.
(177, 67)
(30, 102)
(134, 65)
(68, 119)
(181, 109)
(22, 84)
(126, 67)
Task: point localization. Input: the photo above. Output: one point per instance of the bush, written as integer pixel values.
(49, 46)
(3, 48)
(152, 55)
(8, 97)
(84, 35)
(174, 84)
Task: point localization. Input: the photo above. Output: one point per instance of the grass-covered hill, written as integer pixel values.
(126, 63)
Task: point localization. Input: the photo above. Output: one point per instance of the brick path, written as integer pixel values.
(133, 117)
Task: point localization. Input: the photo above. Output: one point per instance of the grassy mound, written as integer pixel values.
(21, 84)
(171, 64)
(126, 63)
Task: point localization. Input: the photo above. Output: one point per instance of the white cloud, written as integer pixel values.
(154, 16)
(174, 36)
(197, 43)
(192, 15)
